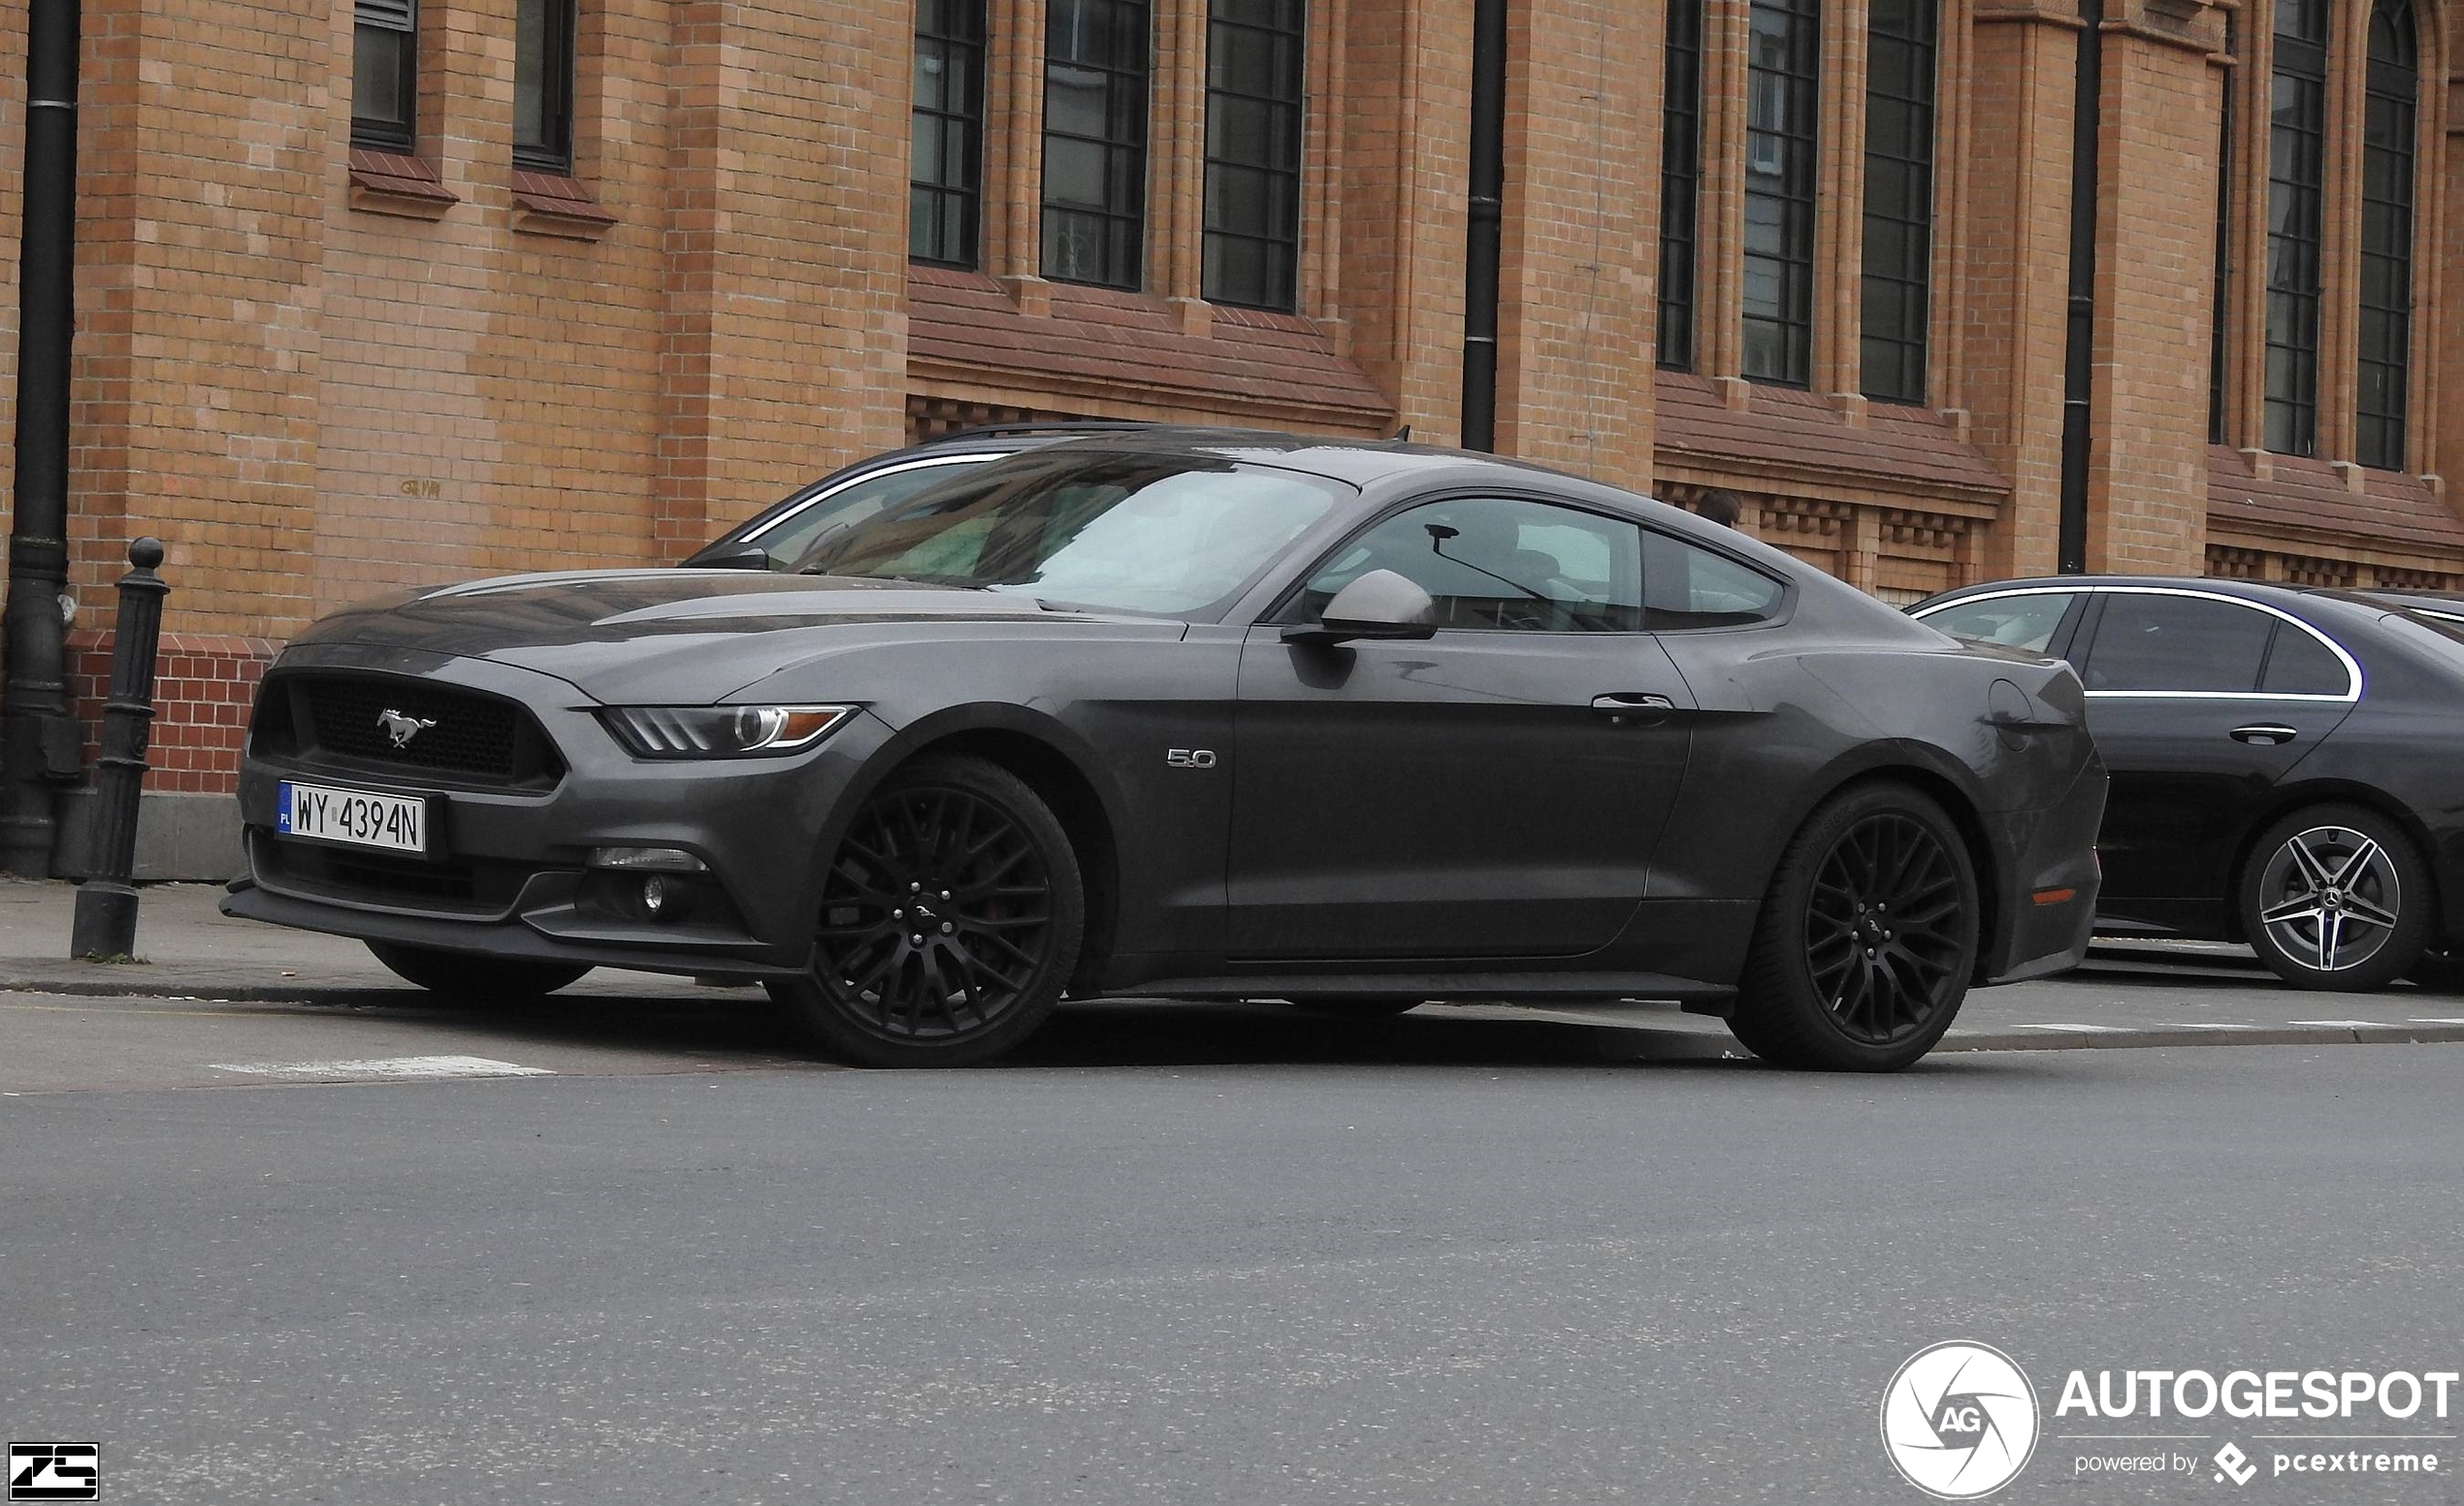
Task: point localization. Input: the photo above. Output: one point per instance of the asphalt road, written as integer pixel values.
(1234, 1258)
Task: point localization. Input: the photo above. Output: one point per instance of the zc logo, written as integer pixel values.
(56, 1471)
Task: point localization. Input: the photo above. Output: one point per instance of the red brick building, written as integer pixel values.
(379, 292)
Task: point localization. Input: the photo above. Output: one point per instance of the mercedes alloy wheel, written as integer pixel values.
(2336, 898)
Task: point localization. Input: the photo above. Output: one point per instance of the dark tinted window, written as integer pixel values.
(1497, 562)
(1687, 586)
(2178, 643)
(2299, 664)
(2022, 622)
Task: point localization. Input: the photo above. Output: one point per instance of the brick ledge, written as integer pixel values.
(394, 183)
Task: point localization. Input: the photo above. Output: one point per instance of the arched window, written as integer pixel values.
(2295, 174)
(2386, 234)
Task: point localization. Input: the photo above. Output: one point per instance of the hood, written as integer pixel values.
(675, 636)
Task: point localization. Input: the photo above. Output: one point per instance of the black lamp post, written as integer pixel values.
(38, 741)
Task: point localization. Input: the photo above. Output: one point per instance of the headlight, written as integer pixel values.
(720, 731)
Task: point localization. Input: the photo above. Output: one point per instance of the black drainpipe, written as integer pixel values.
(40, 741)
(1480, 254)
(2079, 344)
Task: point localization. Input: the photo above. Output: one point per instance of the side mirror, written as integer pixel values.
(1380, 604)
(736, 556)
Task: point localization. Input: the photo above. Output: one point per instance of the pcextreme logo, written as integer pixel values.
(1958, 1421)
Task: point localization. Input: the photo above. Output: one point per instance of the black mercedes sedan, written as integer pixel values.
(2283, 761)
(1194, 714)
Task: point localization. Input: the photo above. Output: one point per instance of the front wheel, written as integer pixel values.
(466, 976)
(950, 921)
(2335, 898)
(1862, 952)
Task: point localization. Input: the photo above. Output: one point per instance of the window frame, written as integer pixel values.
(555, 154)
(1284, 608)
(1283, 180)
(1914, 275)
(2295, 260)
(1797, 163)
(2087, 634)
(1138, 151)
(1680, 186)
(2382, 434)
(967, 120)
(375, 133)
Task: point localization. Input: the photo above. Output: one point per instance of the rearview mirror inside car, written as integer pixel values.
(1380, 604)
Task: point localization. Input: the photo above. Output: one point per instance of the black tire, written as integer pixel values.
(464, 975)
(1361, 1008)
(2440, 972)
(2335, 896)
(974, 978)
(1867, 940)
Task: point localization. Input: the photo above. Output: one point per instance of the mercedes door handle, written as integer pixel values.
(1631, 703)
(2272, 735)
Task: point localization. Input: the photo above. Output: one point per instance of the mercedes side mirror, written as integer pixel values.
(1380, 604)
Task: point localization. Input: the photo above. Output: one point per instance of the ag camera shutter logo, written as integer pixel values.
(1959, 1420)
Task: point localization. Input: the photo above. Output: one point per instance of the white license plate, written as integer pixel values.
(360, 818)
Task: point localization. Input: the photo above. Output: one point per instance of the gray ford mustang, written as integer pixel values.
(1202, 714)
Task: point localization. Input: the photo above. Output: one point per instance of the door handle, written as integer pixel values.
(2267, 733)
(1626, 702)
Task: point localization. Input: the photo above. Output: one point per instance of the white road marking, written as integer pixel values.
(2092, 1029)
(2433, 1020)
(386, 1068)
(2208, 1025)
(2342, 1025)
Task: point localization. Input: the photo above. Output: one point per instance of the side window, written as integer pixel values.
(1687, 586)
(1498, 562)
(2178, 643)
(2299, 664)
(787, 540)
(2026, 623)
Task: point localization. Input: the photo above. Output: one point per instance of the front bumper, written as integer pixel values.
(511, 878)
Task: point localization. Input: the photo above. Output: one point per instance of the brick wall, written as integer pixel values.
(317, 375)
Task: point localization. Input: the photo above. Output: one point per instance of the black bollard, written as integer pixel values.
(106, 923)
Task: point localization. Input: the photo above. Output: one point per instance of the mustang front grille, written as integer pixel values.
(379, 722)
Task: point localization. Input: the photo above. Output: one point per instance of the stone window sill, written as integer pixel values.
(392, 183)
(551, 203)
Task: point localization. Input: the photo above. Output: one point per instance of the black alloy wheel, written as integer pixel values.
(1866, 943)
(462, 975)
(2336, 898)
(950, 921)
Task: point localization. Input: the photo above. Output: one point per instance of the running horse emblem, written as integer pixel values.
(398, 728)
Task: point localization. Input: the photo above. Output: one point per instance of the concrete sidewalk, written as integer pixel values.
(186, 947)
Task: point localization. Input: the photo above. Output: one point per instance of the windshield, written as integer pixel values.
(1166, 535)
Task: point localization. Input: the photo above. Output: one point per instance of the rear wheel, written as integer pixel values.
(462, 974)
(950, 921)
(2335, 898)
(1862, 953)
